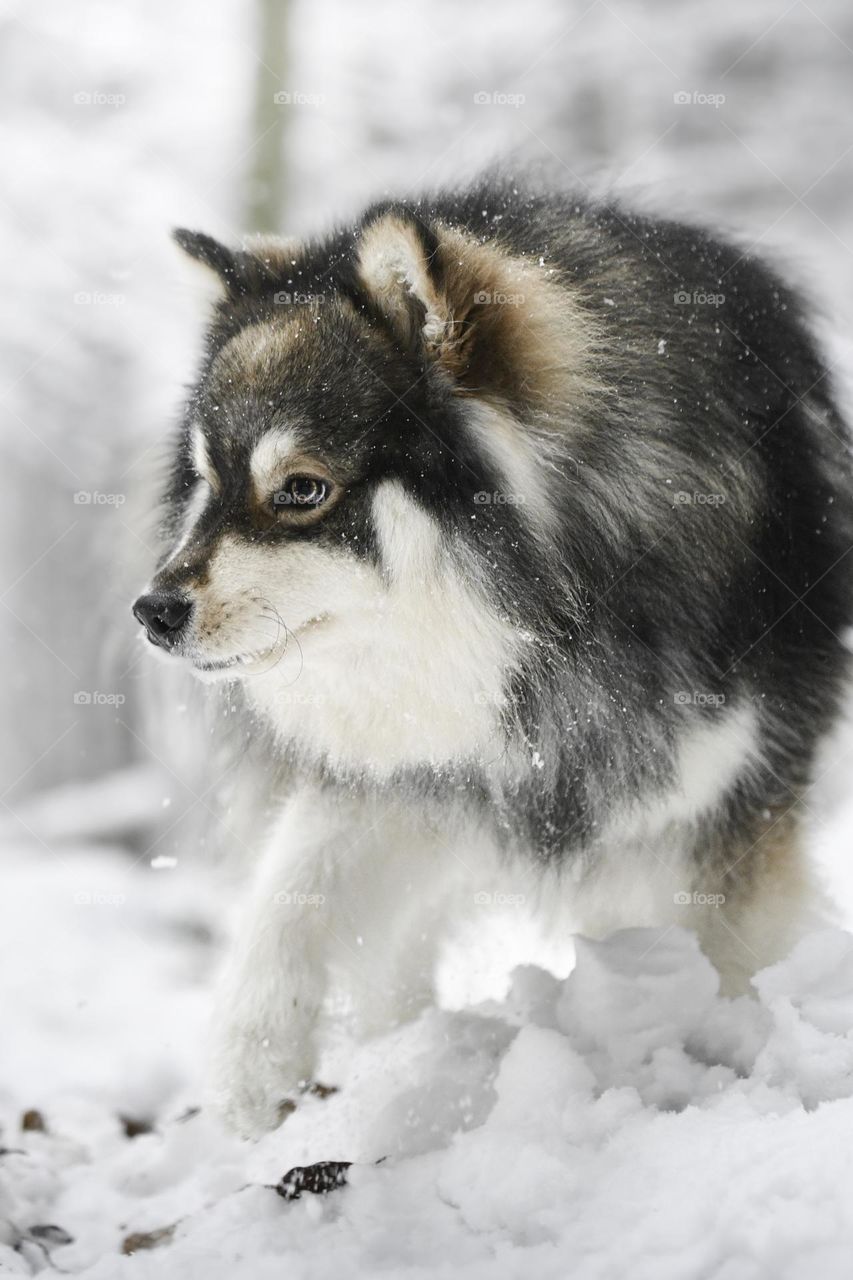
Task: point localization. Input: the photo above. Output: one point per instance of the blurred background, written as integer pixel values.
(121, 121)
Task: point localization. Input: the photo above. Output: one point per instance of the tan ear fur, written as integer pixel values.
(503, 327)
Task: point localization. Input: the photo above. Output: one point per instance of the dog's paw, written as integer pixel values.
(257, 1076)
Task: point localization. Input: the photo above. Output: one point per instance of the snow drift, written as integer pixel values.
(626, 1120)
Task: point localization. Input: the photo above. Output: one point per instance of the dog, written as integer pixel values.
(523, 524)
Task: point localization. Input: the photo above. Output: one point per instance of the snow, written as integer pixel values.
(623, 1119)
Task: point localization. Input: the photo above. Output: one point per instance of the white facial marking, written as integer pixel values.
(196, 504)
(200, 455)
(410, 541)
(372, 668)
(411, 665)
(268, 455)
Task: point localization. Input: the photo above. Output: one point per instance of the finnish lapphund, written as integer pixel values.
(524, 525)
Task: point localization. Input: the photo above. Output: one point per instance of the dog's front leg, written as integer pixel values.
(358, 886)
(275, 980)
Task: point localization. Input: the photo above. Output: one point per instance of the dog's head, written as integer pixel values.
(357, 495)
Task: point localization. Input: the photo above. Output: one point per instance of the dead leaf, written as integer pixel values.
(139, 1240)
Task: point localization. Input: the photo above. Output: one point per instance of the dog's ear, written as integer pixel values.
(256, 268)
(499, 325)
(397, 260)
(211, 253)
(431, 283)
(224, 271)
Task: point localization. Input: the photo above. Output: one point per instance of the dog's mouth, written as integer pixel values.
(254, 661)
(239, 663)
(223, 664)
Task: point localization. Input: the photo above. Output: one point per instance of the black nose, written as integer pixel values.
(164, 614)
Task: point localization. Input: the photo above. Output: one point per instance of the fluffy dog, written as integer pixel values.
(525, 526)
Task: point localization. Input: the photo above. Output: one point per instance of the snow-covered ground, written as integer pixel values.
(624, 1120)
(618, 1119)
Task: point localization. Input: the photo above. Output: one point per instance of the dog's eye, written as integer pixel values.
(301, 491)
